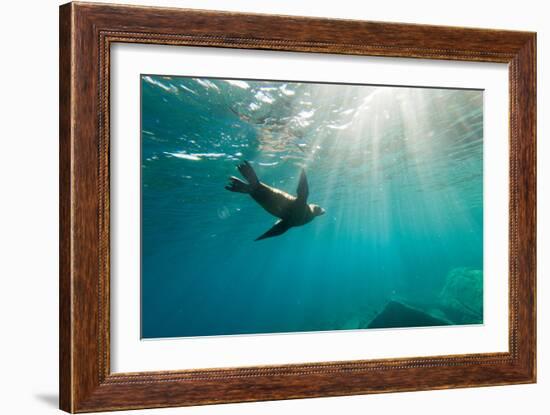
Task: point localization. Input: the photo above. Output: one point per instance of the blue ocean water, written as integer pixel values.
(399, 171)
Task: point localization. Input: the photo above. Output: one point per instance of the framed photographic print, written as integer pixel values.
(260, 207)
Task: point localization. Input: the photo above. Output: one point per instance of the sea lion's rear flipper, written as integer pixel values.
(248, 173)
(278, 229)
(237, 185)
(303, 188)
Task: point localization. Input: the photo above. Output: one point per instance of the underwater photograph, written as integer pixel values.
(272, 206)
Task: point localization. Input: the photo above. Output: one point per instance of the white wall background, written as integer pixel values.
(29, 207)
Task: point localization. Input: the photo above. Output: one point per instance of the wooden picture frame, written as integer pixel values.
(86, 33)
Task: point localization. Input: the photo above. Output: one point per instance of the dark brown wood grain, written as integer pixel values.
(65, 138)
(86, 33)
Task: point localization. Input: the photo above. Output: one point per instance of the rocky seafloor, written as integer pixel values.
(459, 302)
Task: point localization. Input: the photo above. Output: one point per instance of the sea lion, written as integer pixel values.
(291, 210)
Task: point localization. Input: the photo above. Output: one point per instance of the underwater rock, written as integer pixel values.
(461, 299)
(396, 314)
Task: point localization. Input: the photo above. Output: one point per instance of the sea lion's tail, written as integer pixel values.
(237, 185)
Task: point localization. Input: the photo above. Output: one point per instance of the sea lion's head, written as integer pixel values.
(317, 210)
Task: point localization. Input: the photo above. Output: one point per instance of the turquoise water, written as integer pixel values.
(398, 170)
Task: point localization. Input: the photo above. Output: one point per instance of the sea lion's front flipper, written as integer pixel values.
(303, 188)
(278, 229)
